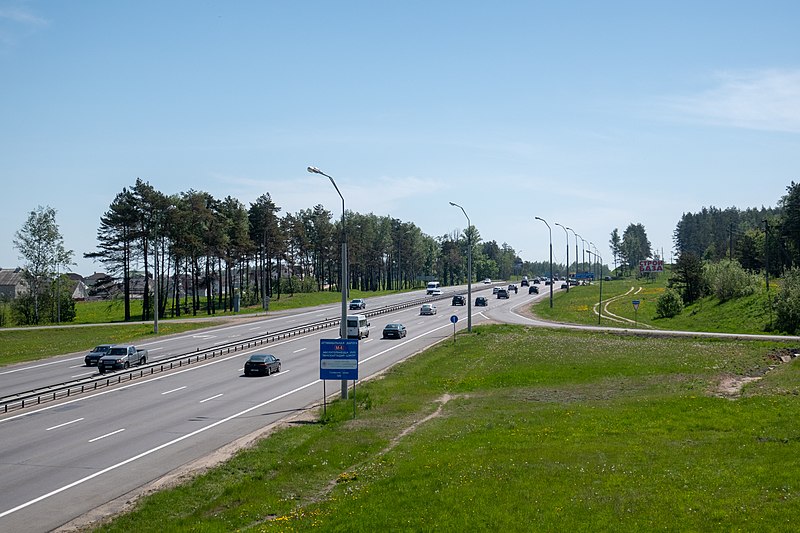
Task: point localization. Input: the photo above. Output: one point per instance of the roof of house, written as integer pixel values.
(9, 276)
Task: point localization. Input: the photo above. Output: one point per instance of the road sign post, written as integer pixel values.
(454, 319)
(338, 359)
(636, 313)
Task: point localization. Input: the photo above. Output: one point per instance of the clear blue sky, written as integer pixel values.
(592, 114)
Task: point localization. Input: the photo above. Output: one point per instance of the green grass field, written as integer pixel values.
(515, 429)
(744, 315)
(31, 344)
(18, 346)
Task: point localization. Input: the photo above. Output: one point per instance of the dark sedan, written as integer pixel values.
(481, 301)
(394, 331)
(97, 352)
(533, 289)
(262, 363)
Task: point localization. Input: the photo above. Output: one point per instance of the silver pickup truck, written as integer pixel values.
(120, 357)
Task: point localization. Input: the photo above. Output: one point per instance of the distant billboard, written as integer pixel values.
(651, 265)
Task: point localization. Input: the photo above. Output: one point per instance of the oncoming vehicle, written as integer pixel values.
(262, 363)
(502, 293)
(481, 301)
(357, 327)
(396, 330)
(427, 309)
(533, 289)
(433, 286)
(459, 299)
(120, 357)
(358, 303)
(97, 352)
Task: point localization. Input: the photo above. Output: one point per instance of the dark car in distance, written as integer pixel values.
(481, 301)
(97, 352)
(533, 289)
(459, 300)
(502, 293)
(394, 331)
(262, 363)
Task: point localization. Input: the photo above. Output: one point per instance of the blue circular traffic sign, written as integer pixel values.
(454, 319)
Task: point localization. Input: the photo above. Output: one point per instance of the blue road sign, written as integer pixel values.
(454, 319)
(584, 275)
(338, 359)
(636, 305)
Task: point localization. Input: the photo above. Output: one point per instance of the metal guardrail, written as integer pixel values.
(68, 389)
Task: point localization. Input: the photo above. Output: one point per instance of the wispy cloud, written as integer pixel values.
(759, 99)
(22, 16)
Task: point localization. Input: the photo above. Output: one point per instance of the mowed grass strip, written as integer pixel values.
(515, 429)
(18, 346)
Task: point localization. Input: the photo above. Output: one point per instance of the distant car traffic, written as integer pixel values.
(513, 287)
(358, 303)
(487, 281)
(502, 293)
(394, 330)
(262, 363)
(481, 301)
(427, 309)
(97, 352)
(436, 292)
(458, 299)
(533, 289)
(495, 289)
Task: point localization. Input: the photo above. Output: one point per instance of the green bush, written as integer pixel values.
(787, 303)
(728, 280)
(669, 304)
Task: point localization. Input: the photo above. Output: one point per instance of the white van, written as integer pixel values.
(432, 286)
(357, 326)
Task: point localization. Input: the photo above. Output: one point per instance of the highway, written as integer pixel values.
(64, 459)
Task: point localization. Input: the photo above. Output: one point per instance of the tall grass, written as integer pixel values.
(515, 429)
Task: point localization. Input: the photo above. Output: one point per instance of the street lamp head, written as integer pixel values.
(314, 170)
(454, 204)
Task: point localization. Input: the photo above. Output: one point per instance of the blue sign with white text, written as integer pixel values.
(338, 359)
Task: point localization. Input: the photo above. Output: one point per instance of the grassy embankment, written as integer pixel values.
(514, 429)
(744, 315)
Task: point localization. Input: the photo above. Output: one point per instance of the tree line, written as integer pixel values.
(209, 250)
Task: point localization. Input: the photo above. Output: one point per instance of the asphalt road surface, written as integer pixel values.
(67, 458)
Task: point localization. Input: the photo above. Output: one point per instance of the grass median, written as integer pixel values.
(511, 428)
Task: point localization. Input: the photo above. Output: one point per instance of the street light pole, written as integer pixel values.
(576, 255)
(566, 236)
(469, 267)
(155, 292)
(600, 304)
(551, 259)
(344, 281)
(583, 251)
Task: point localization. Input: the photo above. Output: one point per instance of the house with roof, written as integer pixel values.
(12, 282)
